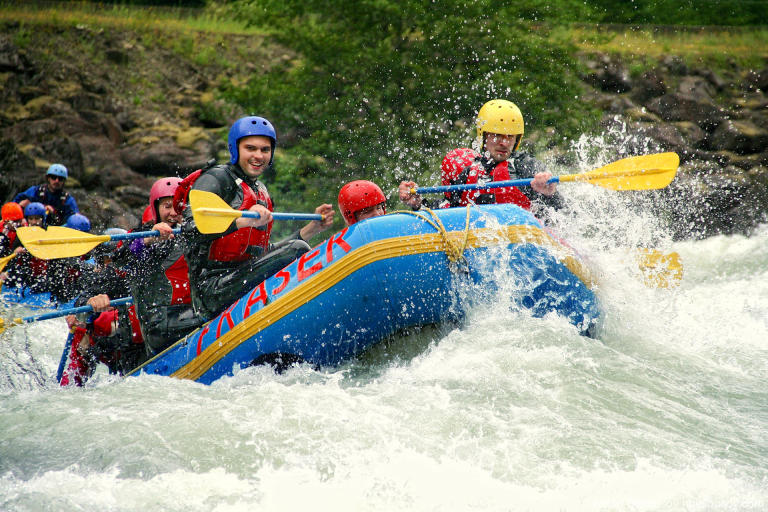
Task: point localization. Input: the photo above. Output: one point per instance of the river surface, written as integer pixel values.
(667, 410)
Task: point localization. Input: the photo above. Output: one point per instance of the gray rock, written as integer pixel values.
(650, 85)
(679, 107)
(10, 58)
(741, 137)
(713, 78)
(696, 87)
(692, 133)
(756, 80)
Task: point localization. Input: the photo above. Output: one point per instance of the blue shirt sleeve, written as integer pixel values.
(70, 207)
(30, 193)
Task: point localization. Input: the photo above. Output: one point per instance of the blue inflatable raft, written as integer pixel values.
(27, 298)
(383, 275)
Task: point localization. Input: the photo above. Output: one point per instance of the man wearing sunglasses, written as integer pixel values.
(59, 205)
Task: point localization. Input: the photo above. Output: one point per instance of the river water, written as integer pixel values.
(667, 410)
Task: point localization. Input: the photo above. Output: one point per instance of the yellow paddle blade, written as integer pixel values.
(211, 213)
(58, 242)
(4, 261)
(646, 172)
(11, 321)
(660, 270)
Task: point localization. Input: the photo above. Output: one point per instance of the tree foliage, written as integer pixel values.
(380, 89)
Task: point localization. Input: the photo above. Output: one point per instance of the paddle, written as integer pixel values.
(4, 261)
(647, 172)
(61, 242)
(213, 215)
(60, 313)
(660, 270)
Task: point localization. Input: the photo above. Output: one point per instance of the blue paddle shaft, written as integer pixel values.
(74, 311)
(64, 357)
(482, 186)
(140, 234)
(286, 216)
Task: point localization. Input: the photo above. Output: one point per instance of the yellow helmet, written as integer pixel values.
(502, 117)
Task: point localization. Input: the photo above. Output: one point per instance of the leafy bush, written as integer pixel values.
(380, 89)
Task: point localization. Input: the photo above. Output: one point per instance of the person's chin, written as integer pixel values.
(255, 172)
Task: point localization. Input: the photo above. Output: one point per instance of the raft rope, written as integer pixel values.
(454, 250)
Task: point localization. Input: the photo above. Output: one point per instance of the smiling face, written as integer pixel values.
(165, 211)
(255, 153)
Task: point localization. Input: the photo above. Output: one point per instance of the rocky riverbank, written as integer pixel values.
(119, 111)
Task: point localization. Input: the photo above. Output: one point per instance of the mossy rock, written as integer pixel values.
(188, 137)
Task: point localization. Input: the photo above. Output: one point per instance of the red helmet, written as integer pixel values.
(164, 187)
(358, 195)
(12, 211)
(456, 161)
(147, 216)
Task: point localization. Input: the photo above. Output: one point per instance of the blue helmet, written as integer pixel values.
(245, 127)
(57, 170)
(79, 222)
(34, 209)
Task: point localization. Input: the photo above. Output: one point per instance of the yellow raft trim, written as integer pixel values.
(359, 258)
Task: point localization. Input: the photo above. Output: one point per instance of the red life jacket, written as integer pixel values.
(136, 334)
(10, 235)
(503, 195)
(77, 368)
(37, 266)
(178, 276)
(234, 246)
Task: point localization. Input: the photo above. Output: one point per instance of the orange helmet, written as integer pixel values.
(455, 161)
(12, 211)
(358, 195)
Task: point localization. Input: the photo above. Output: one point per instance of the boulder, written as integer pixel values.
(613, 104)
(10, 57)
(161, 158)
(107, 123)
(105, 168)
(697, 88)
(708, 200)
(674, 65)
(692, 133)
(681, 107)
(756, 80)
(58, 149)
(134, 196)
(667, 136)
(741, 137)
(713, 78)
(19, 171)
(612, 78)
(651, 84)
(106, 212)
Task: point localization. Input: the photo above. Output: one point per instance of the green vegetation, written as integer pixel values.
(381, 98)
(380, 89)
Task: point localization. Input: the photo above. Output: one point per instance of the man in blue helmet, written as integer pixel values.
(225, 265)
(59, 205)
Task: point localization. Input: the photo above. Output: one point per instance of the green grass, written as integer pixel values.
(745, 46)
(125, 17)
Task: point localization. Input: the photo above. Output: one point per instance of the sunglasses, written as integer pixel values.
(56, 178)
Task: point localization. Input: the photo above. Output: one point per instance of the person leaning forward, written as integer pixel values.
(59, 205)
(500, 128)
(223, 266)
